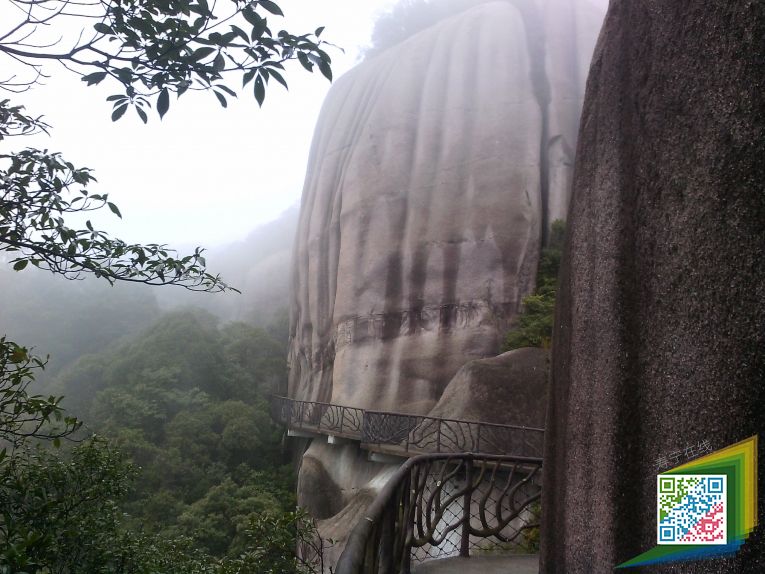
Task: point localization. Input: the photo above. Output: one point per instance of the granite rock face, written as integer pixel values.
(509, 389)
(436, 168)
(335, 485)
(660, 324)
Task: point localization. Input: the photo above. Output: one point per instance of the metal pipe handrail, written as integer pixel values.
(371, 548)
(470, 421)
(324, 417)
(408, 432)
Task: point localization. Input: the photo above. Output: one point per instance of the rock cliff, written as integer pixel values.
(435, 172)
(436, 168)
(660, 325)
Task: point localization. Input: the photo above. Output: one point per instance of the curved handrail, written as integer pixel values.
(324, 417)
(470, 421)
(408, 434)
(383, 538)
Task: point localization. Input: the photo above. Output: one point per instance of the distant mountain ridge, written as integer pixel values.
(259, 266)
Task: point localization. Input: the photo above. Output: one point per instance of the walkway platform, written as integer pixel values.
(403, 435)
(515, 564)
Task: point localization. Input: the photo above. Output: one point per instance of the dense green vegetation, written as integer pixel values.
(187, 402)
(534, 325)
(67, 519)
(190, 476)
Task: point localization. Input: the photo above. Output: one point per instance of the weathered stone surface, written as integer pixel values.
(435, 168)
(331, 475)
(661, 319)
(507, 389)
(335, 485)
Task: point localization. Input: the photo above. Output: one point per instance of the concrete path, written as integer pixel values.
(517, 564)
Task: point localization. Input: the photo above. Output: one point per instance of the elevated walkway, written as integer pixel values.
(518, 564)
(400, 435)
(465, 489)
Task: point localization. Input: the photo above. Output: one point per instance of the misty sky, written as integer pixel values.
(204, 175)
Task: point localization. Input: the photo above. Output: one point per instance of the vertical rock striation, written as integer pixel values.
(435, 169)
(660, 324)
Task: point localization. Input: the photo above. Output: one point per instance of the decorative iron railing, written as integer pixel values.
(419, 434)
(324, 418)
(407, 435)
(440, 505)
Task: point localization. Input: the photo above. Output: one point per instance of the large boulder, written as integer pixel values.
(509, 389)
(435, 170)
(660, 327)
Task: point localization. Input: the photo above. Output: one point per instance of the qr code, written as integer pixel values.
(691, 508)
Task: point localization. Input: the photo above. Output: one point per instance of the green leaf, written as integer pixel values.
(119, 112)
(271, 7)
(259, 24)
(248, 76)
(19, 265)
(114, 209)
(219, 63)
(102, 28)
(201, 53)
(226, 89)
(163, 102)
(125, 75)
(325, 69)
(241, 33)
(94, 78)
(221, 99)
(303, 59)
(279, 78)
(260, 90)
(141, 114)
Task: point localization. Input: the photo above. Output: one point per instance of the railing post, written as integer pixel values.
(466, 500)
(302, 413)
(478, 439)
(438, 436)
(405, 519)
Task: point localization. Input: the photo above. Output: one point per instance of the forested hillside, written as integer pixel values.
(186, 473)
(186, 401)
(178, 467)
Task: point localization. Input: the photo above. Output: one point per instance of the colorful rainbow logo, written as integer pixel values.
(735, 466)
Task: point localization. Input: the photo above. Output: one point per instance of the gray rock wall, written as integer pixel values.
(661, 319)
(434, 172)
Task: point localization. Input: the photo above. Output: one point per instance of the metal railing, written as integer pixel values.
(420, 434)
(324, 418)
(407, 435)
(439, 505)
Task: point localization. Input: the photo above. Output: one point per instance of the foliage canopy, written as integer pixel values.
(149, 49)
(61, 513)
(534, 325)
